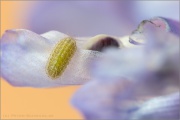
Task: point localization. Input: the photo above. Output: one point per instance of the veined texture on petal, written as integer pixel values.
(24, 56)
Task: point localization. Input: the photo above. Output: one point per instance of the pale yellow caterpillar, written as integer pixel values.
(60, 57)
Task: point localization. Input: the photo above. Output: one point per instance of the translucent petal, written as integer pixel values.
(168, 25)
(24, 55)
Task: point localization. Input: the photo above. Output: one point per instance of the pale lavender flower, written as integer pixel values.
(122, 81)
(128, 81)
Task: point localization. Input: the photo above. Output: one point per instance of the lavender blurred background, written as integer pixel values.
(89, 18)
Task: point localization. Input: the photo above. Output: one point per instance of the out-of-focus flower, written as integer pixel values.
(127, 82)
(99, 99)
(149, 9)
(166, 108)
(87, 18)
(114, 100)
(83, 18)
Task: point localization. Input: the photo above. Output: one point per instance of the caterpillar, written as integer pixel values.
(60, 57)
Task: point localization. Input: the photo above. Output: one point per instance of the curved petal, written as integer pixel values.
(24, 56)
(167, 25)
(99, 99)
(160, 108)
(113, 100)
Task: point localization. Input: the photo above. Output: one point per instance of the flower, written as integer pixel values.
(24, 55)
(127, 83)
(134, 83)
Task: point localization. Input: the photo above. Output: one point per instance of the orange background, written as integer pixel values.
(31, 103)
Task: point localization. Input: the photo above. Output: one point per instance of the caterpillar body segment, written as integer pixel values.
(60, 57)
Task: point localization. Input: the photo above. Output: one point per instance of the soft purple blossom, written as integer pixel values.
(128, 83)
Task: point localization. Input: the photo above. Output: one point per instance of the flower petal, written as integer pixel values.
(159, 108)
(168, 25)
(113, 100)
(126, 81)
(24, 56)
(99, 99)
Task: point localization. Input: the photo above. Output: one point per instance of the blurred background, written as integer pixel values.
(76, 18)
